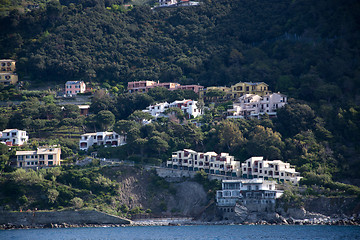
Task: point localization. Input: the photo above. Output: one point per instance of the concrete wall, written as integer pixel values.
(176, 174)
(69, 217)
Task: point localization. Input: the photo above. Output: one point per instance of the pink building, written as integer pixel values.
(144, 86)
(195, 88)
(140, 86)
(75, 87)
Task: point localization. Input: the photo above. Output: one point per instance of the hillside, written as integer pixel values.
(119, 190)
(308, 51)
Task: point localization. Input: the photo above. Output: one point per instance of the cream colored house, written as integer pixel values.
(257, 167)
(7, 65)
(210, 162)
(242, 88)
(42, 157)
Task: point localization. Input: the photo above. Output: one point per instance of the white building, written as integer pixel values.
(157, 110)
(257, 167)
(210, 162)
(13, 137)
(167, 3)
(253, 106)
(42, 157)
(101, 138)
(246, 192)
(188, 107)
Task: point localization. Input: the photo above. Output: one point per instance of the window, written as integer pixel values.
(50, 163)
(50, 157)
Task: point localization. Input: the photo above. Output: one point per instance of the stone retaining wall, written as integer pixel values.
(69, 217)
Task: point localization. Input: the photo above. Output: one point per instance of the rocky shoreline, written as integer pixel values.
(188, 222)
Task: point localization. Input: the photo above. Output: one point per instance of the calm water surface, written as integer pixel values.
(189, 233)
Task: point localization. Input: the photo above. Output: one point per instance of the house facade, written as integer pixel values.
(255, 194)
(257, 167)
(167, 3)
(253, 106)
(101, 138)
(74, 87)
(13, 137)
(188, 107)
(144, 86)
(210, 162)
(7, 72)
(42, 157)
(242, 88)
(7, 65)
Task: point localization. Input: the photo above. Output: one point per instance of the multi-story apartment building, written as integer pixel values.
(101, 138)
(257, 194)
(7, 65)
(7, 72)
(253, 106)
(210, 162)
(74, 87)
(242, 88)
(8, 78)
(257, 167)
(13, 137)
(193, 87)
(140, 86)
(189, 108)
(42, 157)
(144, 86)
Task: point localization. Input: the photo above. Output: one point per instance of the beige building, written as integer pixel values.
(257, 167)
(210, 162)
(242, 88)
(42, 157)
(8, 78)
(7, 75)
(7, 65)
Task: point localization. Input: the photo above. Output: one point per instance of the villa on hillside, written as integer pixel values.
(7, 72)
(188, 107)
(144, 86)
(74, 87)
(42, 157)
(253, 106)
(255, 194)
(235, 91)
(177, 3)
(257, 167)
(112, 139)
(13, 137)
(210, 162)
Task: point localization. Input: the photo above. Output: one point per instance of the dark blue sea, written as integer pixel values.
(207, 232)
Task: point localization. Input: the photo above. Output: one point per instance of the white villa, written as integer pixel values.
(42, 157)
(13, 137)
(177, 3)
(101, 138)
(258, 193)
(253, 106)
(188, 107)
(210, 162)
(257, 167)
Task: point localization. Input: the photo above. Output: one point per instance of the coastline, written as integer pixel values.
(182, 222)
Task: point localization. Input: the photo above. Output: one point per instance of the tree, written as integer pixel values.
(264, 142)
(138, 116)
(229, 135)
(105, 119)
(158, 144)
(71, 111)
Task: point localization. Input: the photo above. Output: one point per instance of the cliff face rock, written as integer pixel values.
(190, 199)
(69, 217)
(333, 206)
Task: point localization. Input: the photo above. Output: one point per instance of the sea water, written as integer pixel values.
(202, 232)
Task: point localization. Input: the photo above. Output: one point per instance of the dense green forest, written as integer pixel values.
(307, 50)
